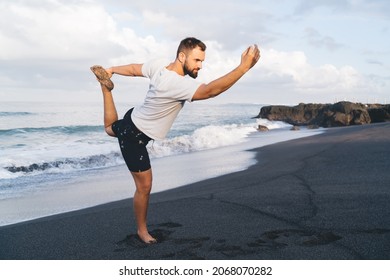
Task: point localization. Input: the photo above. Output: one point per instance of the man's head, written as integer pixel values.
(191, 54)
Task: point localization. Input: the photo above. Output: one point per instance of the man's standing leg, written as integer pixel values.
(143, 183)
(143, 180)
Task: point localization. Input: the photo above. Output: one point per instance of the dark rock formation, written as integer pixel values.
(262, 128)
(327, 115)
(379, 113)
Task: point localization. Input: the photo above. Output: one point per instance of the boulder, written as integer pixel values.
(295, 128)
(262, 128)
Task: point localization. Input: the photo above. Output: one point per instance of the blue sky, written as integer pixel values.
(312, 51)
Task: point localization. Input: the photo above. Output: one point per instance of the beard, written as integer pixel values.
(193, 73)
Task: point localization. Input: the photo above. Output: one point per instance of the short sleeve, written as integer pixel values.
(150, 67)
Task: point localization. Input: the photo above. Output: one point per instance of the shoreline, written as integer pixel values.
(319, 197)
(90, 188)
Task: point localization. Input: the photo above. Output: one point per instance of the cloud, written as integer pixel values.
(368, 8)
(55, 30)
(375, 62)
(294, 71)
(315, 39)
(308, 6)
(50, 45)
(231, 23)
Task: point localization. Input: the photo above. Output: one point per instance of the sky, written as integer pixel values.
(311, 51)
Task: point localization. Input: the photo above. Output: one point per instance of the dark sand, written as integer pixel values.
(321, 197)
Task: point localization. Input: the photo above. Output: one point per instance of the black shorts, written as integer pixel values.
(132, 143)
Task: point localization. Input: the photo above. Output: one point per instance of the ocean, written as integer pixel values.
(51, 153)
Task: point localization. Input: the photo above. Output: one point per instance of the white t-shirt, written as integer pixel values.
(166, 96)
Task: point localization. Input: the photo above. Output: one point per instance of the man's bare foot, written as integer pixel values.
(147, 238)
(103, 76)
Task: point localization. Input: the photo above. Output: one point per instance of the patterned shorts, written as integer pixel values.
(132, 143)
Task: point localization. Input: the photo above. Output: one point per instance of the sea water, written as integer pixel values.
(56, 158)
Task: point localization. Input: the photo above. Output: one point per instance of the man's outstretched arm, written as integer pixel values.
(134, 70)
(248, 59)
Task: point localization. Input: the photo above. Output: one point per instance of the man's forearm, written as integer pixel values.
(219, 85)
(223, 83)
(127, 70)
(248, 59)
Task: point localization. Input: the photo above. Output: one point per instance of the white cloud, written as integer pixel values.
(294, 70)
(158, 18)
(55, 30)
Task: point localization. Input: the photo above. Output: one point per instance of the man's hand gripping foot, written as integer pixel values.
(103, 76)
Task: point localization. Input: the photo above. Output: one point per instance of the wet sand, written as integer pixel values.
(321, 197)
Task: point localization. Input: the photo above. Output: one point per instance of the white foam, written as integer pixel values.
(273, 124)
(208, 137)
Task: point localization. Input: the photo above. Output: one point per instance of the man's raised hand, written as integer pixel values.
(250, 57)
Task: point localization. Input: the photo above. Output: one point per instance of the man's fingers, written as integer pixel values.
(109, 72)
(251, 55)
(257, 53)
(253, 49)
(247, 51)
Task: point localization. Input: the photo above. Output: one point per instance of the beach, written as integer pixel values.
(56, 158)
(320, 197)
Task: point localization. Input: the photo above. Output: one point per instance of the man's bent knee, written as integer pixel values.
(109, 131)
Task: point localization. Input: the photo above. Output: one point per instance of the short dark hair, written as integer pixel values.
(189, 44)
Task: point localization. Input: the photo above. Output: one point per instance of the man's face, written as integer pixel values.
(193, 62)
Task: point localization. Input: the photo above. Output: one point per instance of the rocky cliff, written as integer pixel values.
(327, 115)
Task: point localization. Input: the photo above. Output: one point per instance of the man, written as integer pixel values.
(168, 91)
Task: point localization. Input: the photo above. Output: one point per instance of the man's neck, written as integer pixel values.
(176, 67)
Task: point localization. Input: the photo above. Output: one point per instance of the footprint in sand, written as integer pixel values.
(282, 238)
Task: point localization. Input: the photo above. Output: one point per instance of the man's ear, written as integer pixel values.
(182, 57)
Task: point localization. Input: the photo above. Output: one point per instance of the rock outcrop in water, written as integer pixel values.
(327, 115)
